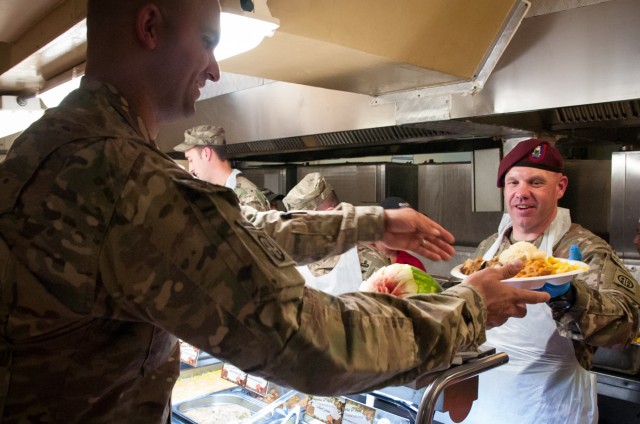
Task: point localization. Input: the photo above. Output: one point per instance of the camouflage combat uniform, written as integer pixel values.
(607, 315)
(371, 260)
(308, 194)
(110, 252)
(250, 195)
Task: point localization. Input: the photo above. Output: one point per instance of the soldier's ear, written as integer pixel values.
(207, 152)
(147, 24)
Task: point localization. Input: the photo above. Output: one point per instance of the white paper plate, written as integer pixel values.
(535, 282)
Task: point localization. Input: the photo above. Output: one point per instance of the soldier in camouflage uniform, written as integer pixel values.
(204, 148)
(551, 349)
(313, 192)
(110, 252)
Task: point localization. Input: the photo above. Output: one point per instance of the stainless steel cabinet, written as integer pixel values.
(367, 184)
(279, 179)
(625, 202)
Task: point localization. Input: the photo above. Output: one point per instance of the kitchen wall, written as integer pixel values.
(442, 191)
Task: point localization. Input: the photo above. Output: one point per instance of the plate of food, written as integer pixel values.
(538, 269)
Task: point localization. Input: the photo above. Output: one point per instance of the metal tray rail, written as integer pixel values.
(452, 376)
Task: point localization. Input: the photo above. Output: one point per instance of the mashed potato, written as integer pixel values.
(522, 250)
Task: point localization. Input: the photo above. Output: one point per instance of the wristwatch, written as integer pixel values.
(561, 304)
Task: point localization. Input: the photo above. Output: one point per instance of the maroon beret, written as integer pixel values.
(533, 153)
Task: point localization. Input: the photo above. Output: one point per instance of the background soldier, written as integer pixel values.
(205, 149)
(339, 273)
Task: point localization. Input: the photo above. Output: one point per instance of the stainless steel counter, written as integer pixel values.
(620, 386)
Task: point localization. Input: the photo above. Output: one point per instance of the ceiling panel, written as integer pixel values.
(361, 46)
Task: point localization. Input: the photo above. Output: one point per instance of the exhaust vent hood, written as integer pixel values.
(369, 47)
(592, 116)
(373, 48)
(432, 137)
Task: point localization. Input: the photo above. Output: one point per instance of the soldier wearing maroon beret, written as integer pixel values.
(551, 349)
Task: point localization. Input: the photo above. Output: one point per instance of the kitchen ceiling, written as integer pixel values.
(358, 46)
(353, 47)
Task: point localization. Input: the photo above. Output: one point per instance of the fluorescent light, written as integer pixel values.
(16, 117)
(242, 31)
(15, 121)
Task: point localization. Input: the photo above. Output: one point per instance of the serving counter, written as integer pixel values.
(212, 387)
(619, 386)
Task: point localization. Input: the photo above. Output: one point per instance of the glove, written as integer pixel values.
(554, 290)
(574, 253)
(558, 290)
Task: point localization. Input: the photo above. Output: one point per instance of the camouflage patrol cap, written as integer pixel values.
(202, 135)
(308, 193)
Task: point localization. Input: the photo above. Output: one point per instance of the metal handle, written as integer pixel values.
(295, 414)
(269, 409)
(452, 376)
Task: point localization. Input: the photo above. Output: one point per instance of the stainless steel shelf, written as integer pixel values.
(620, 386)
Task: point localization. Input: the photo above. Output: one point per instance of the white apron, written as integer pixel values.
(542, 383)
(345, 277)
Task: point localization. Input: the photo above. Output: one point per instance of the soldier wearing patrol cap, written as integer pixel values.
(312, 192)
(204, 148)
(340, 273)
(552, 347)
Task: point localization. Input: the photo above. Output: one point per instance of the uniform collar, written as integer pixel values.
(105, 92)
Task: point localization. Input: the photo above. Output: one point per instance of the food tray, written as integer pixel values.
(236, 401)
(626, 361)
(196, 382)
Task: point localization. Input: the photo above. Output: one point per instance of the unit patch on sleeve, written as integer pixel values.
(275, 253)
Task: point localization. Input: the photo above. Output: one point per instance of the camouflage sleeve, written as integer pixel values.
(221, 284)
(371, 260)
(310, 236)
(485, 245)
(606, 311)
(249, 194)
(324, 266)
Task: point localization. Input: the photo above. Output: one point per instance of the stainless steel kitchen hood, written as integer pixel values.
(377, 141)
(565, 73)
(566, 65)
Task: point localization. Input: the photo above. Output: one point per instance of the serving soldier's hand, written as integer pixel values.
(502, 300)
(408, 229)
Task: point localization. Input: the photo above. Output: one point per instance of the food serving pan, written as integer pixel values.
(234, 400)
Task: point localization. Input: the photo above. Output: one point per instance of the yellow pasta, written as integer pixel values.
(546, 266)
